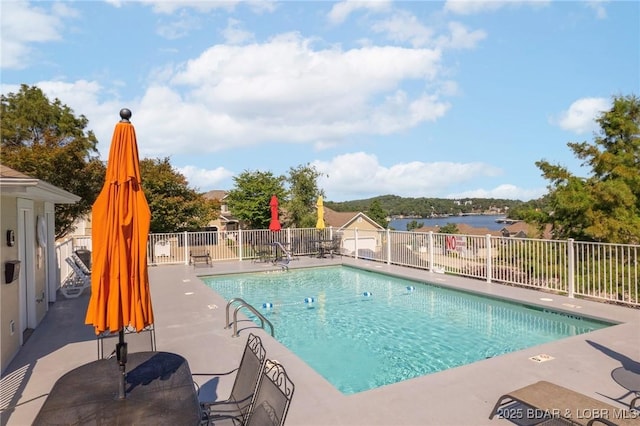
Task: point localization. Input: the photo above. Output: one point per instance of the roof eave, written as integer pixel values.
(35, 189)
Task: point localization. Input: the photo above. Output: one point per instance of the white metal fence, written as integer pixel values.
(607, 272)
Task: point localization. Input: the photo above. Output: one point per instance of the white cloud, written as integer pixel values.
(168, 7)
(282, 90)
(234, 34)
(203, 178)
(179, 26)
(471, 7)
(504, 191)
(581, 115)
(24, 24)
(405, 27)
(460, 37)
(341, 11)
(285, 90)
(359, 173)
(598, 8)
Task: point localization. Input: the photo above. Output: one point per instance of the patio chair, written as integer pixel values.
(336, 243)
(137, 341)
(75, 284)
(548, 403)
(199, 255)
(273, 397)
(236, 408)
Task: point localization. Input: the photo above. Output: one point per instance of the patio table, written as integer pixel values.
(322, 246)
(630, 380)
(159, 391)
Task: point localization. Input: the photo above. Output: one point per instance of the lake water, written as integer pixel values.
(484, 221)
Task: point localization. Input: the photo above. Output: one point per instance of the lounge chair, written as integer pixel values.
(75, 283)
(235, 409)
(83, 266)
(547, 403)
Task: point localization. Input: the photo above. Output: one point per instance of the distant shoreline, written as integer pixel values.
(477, 221)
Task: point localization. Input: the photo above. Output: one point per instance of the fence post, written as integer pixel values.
(430, 244)
(388, 232)
(489, 259)
(571, 265)
(239, 243)
(186, 248)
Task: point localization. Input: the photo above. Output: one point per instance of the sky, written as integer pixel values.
(449, 99)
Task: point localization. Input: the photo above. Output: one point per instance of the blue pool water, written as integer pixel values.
(361, 329)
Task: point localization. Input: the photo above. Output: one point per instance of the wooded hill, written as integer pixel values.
(424, 207)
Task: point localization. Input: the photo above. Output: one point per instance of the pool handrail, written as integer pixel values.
(244, 304)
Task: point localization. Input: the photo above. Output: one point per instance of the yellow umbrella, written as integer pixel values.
(320, 206)
(121, 217)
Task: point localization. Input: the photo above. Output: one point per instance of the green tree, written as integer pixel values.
(249, 199)
(174, 206)
(45, 140)
(449, 228)
(304, 192)
(605, 206)
(377, 214)
(414, 224)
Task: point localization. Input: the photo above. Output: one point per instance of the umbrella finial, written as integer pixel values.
(125, 115)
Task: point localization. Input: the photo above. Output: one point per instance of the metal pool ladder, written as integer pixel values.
(243, 304)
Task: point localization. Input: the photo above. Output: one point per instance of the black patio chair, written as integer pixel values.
(336, 246)
(273, 397)
(236, 408)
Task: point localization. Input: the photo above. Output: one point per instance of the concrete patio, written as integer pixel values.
(189, 320)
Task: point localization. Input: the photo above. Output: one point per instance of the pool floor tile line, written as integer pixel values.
(186, 324)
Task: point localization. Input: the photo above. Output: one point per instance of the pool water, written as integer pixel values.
(361, 330)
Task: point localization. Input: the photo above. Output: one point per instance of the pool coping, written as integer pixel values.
(190, 318)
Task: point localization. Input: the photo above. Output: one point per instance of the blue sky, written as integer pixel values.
(419, 99)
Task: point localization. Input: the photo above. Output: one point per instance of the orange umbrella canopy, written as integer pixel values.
(121, 217)
(274, 225)
(320, 206)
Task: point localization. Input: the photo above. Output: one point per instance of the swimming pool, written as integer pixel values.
(361, 329)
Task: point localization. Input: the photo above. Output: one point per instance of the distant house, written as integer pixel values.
(525, 230)
(347, 224)
(463, 228)
(30, 268)
(226, 221)
(517, 230)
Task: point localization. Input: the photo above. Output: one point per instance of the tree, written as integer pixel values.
(376, 214)
(449, 228)
(304, 192)
(249, 199)
(45, 140)
(174, 206)
(604, 206)
(414, 224)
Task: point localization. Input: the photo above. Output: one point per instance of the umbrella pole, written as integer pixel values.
(121, 354)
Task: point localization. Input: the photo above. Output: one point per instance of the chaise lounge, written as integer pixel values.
(547, 403)
(78, 280)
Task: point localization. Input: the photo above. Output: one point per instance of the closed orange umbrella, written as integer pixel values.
(121, 217)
